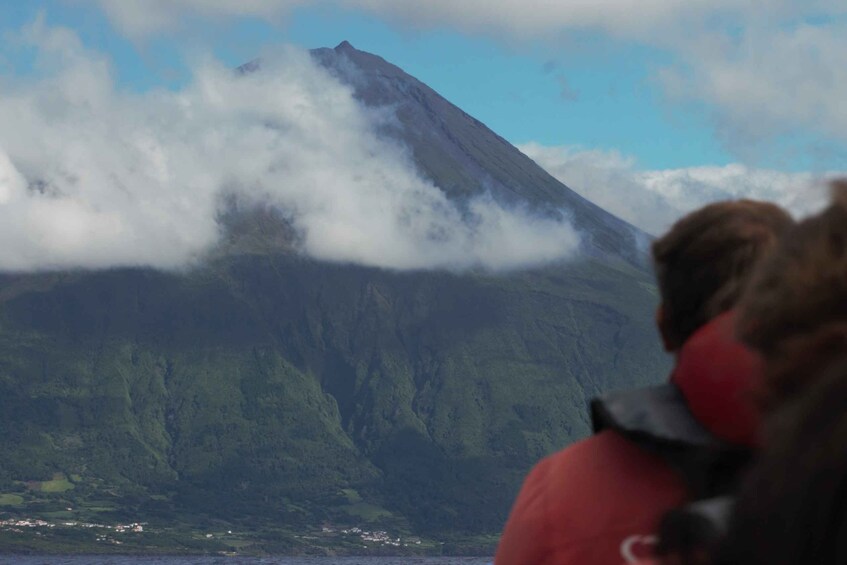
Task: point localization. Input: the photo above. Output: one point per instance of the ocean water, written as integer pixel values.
(120, 560)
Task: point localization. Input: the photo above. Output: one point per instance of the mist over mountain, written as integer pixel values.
(95, 176)
(464, 158)
(654, 199)
(275, 389)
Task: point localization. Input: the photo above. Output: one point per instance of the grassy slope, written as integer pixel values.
(282, 391)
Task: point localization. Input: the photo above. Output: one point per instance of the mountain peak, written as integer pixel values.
(464, 158)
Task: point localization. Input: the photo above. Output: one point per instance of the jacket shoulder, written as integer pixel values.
(610, 476)
(586, 497)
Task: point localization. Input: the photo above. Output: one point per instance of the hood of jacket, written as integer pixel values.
(717, 376)
(708, 402)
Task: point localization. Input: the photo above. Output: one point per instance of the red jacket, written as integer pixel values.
(599, 501)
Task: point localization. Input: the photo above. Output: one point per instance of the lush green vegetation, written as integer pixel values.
(270, 391)
(11, 500)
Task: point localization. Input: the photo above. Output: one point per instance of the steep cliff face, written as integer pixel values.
(263, 386)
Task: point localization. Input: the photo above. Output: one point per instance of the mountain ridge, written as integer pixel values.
(275, 394)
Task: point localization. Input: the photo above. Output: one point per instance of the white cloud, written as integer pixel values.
(763, 69)
(140, 18)
(653, 200)
(516, 18)
(769, 81)
(91, 176)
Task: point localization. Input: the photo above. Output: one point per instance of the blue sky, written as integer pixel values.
(586, 89)
(126, 111)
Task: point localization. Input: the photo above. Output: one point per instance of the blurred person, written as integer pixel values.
(794, 313)
(601, 499)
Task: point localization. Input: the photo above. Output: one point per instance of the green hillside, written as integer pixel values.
(271, 391)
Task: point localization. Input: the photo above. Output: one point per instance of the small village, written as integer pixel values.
(20, 525)
(104, 532)
(380, 537)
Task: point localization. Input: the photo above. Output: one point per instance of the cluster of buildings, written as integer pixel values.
(377, 537)
(17, 525)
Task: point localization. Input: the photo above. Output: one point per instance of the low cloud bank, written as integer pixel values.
(92, 176)
(653, 200)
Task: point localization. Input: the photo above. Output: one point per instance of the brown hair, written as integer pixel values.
(795, 309)
(704, 262)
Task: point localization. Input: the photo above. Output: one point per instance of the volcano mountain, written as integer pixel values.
(266, 391)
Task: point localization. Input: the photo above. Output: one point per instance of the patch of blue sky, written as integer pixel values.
(158, 63)
(582, 90)
(802, 151)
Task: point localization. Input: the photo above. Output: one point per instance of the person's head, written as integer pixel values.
(704, 262)
(793, 507)
(794, 312)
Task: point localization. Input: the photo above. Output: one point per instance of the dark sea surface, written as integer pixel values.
(120, 560)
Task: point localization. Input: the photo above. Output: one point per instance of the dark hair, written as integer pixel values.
(703, 263)
(793, 508)
(795, 309)
(687, 537)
